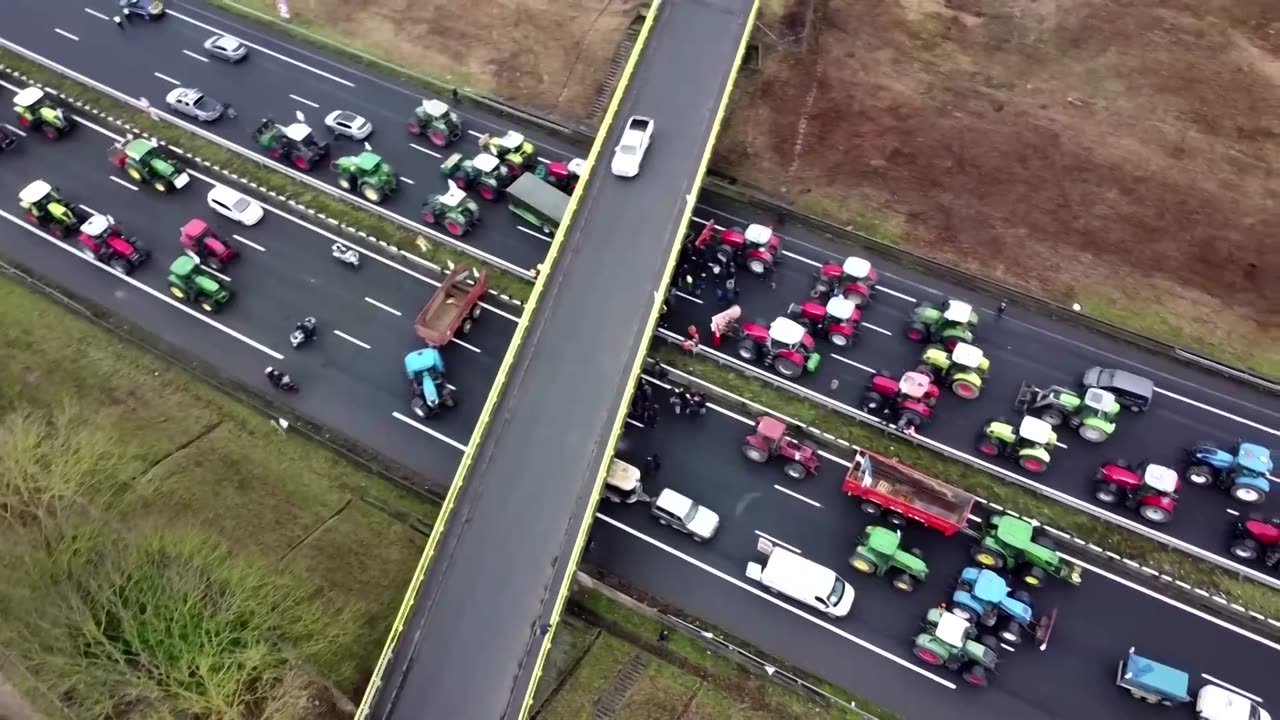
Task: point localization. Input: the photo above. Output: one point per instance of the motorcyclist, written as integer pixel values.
(278, 378)
(344, 253)
(307, 327)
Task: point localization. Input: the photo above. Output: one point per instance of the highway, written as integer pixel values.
(357, 393)
(1191, 405)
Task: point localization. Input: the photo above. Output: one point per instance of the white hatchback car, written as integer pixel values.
(348, 124)
(235, 205)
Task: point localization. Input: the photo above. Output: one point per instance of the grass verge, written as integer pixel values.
(1021, 500)
(347, 213)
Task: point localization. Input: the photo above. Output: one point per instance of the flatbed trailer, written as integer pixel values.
(453, 308)
(899, 492)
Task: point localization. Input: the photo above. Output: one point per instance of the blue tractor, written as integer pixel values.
(425, 370)
(1242, 471)
(984, 598)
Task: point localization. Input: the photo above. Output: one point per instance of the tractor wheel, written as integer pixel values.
(161, 186)
(207, 305)
(177, 292)
(872, 402)
(917, 332)
(966, 389)
(413, 128)
(51, 132)
(475, 311)
(466, 326)
(454, 227)
(88, 253)
(1200, 475)
(787, 368)
(748, 350)
(23, 122)
(58, 230)
(346, 182)
(927, 656)
(975, 675)
(1093, 434)
(962, 612)
(1106, 493)
(1155, 514)
(1246, 549)
(437, 138)
(863, 563)
(990, 447)
(301, 162)
(893, 519)
(487, 191)
(1052, 416)
(909, 421)
(986, 558)
(546, 229)
(756, 266)
(755, 454)
(795, 471)
(904, 582)
(950, 343)
(133, 173)
(372, 193)
(120, 265)
(1032, 464)
(1031, 577)
(1248, 495)
(871, 509)
(839, 339)
(428, 217)
(275, 152)
(1011, 633)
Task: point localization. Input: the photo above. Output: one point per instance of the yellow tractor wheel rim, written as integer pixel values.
(372, 194)
(1031, 580)
(177, 293)
(133, 173)
(862, 566)
(985, 559)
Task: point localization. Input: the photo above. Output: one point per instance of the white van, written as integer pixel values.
(801, 579)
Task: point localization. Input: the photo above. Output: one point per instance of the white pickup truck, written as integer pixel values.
(630, 150)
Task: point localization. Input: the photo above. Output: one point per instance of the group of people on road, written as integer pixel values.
(683, 401)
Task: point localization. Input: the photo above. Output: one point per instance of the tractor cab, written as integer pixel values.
(301, 134)
(369, 162)
(906, 402)
(854, 280)
(435, 120)
(453, 198)
(1033, 431)
(37, 196)
(968, 356)
(962, 369)
(512, 148)
(1100, 403)
(512, 141)
(838, 319)
(983, 596)
(97, 227)
(622, 483)
(36, 112)
(952, 323)
(1028, 443)
(486, 163)
(951, 641)
(953, 630)
(915, 386)
(758, 247)
(960, 313)
(104, 241)
(425, 370)
(787, 334)
(1150, 489)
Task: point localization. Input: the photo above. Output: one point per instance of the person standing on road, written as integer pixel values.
(119, 21)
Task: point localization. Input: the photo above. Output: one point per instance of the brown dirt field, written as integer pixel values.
(1120, 153)
(552, 60)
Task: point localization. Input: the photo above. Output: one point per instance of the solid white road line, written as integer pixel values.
(118, 181)
(433, 433)
(305, 101)
(1231, 687)
(96, 14)
(797, 495)
(633, 422)
(1224, 414)
(534, 233)
(389, 309)
(64, 33)
(468, 346)
(776, 541)
(905, 664)
(404, 179)
(1233, 512)
(201, 58)
(259, 48)
(166, 78)
(155, 293)
(419, 148)
(250, 243)
(352, 340)
(475, 134)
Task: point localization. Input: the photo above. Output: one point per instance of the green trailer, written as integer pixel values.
(537, 202)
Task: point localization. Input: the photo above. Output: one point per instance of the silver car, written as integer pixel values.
(349, 124)
(226, 48)
(193, 103)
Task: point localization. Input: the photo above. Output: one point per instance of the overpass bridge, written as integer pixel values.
(478, 618)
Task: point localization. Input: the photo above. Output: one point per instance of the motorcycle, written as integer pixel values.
(345, 254)
(303, 332)
(280, 380)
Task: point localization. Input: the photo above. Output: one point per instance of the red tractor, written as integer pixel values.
(758, 248)
(853, 280)
(562, 176)
(211, 251)
(838, 319)
(1257, 537)
(1150, 489)
(102, 240)
(771, 441)
(906, 403)
(784, 345)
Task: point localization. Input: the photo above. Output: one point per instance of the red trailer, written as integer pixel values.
(900, 492)
(454, 307)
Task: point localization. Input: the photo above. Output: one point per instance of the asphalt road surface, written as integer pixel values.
(358, 391)
(1190, 406)
(495, 582)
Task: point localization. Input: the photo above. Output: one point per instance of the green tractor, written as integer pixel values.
(484, 173)
(144, 162)
(1093, 414)
(1012, 544)
(35, 112)
(949, 325)
(963, 368)
(44, 207)
(880, 552)
(1027, 444)
(517, 153)
(435, 120)
(366, 173)
(295, 144)
(950, 641)
(191, 283)
(454, 210)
